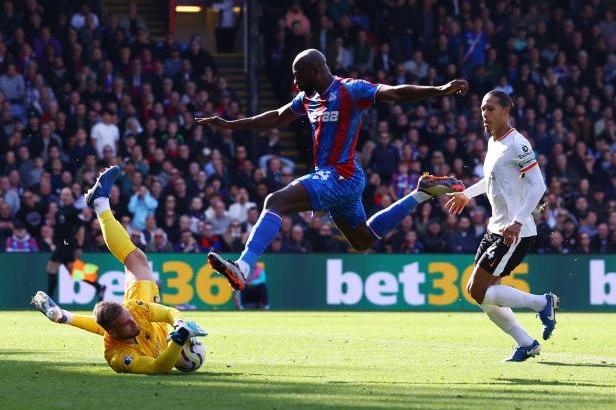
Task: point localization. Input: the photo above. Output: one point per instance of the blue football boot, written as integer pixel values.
(103, 185)
(548, 315)
(522, 353)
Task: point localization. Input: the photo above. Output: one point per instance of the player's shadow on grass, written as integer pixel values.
(90, 385)
(534, 382)
(579, 364)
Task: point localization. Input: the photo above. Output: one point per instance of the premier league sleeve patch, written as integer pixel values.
(128, 359)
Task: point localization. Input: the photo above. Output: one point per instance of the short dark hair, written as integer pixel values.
(503, 99)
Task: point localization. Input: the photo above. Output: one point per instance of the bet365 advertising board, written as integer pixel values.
(323, 282)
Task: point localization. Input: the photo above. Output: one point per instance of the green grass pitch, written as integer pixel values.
(311, 360)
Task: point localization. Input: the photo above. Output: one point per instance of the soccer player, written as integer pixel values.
(65, 229)
(135, 332)
(333, 106)
(514, 186)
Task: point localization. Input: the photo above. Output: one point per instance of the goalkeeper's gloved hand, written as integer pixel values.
(186, 331)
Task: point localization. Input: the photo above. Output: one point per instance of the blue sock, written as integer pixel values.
(261, 236)
(387, 219)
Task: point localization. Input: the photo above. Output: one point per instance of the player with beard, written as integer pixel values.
(514, 186)
(136, 331)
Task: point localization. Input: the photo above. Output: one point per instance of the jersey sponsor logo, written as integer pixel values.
(525, 148)
(128, 359)
(327, 116)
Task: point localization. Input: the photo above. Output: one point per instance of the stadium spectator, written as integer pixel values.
(81, 90)
(20, 240)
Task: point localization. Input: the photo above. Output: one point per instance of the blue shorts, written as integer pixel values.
(341, 197)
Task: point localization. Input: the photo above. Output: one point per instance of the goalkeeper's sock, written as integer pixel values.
(67, 317)
(101, 204)
(115, 236)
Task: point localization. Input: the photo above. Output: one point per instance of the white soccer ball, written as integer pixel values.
(192, 356)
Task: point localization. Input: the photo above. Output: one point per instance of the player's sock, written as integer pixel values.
(507, 296)
(260, 237)
(115, 236)
(52, 284)
(387, 219)
(504, 318)
(101, 204)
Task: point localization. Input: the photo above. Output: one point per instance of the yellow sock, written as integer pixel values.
(86, 323)
(116, 238)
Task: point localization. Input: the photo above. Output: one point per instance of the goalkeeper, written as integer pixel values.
(135, 331)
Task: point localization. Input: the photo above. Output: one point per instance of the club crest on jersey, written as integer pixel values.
(332, 97)
(128, 359)
(322, 175)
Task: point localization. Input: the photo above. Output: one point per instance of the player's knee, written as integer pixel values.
(476, 292)
(274, 202)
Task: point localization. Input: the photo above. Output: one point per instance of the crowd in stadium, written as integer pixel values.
(81, 89)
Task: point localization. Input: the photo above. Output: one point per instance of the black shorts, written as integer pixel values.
(499, 259)
(63, 254)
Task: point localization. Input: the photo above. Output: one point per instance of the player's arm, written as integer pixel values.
(164, 314)
(407, 93)
(536, 188)
(270, 119)
(459, 200)
(129, 361)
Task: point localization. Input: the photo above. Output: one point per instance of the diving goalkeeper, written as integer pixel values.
(135, 331)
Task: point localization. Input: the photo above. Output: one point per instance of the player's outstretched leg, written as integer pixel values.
(115, 236)
(292, 198)
(45, 304)
(428, 186)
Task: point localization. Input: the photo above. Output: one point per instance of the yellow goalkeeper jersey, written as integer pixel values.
(141, 299)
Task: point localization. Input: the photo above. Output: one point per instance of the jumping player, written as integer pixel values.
(135, 332)
(514, 186)
(333, 106)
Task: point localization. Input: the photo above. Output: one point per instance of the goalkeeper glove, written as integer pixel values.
(185, 331)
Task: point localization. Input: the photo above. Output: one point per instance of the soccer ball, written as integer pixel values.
(192, 356)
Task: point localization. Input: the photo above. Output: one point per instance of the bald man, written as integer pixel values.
(333, 106)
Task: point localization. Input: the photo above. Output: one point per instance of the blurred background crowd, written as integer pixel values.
(82, 89)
